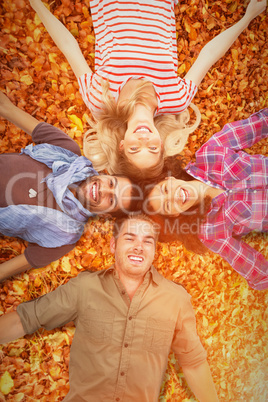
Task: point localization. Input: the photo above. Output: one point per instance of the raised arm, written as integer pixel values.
(200, 381)
(10, 327)
(17, 116)
(14, 266)
(217, 47)
(62, 38)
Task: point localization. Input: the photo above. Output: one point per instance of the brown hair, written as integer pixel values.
(140, 217)
(185, 227)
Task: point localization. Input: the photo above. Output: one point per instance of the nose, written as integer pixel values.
(138, 247)
(144, 137)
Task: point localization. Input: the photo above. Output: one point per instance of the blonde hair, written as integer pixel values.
(102, 140)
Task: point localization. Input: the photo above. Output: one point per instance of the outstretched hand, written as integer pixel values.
(255, 8)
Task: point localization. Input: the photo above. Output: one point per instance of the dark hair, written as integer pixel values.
(185, 227)
(140, 217)
(134, 205)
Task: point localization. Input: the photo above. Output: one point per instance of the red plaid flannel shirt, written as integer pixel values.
(243, 206)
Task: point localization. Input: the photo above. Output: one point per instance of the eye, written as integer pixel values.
(168, 207)
(111, 184)
(133, 148)
(165, 189)
(111, 201)
(153, 148)
(148, 242)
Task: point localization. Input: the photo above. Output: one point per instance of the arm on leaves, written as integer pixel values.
(218, 46)
(17, 116)
(10, 327)
(14, 266)
(65, 41)
(200, 381)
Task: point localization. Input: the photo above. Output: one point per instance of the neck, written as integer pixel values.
(211, 191)
(131, 284)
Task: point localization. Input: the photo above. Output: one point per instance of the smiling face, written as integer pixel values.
(142, 144)
(134, 248)
(103, 194)
(173, 196)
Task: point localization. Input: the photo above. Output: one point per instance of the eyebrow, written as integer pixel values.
(115, 197)
(133, 235)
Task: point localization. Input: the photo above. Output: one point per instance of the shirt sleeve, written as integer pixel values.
(186, 343)
(48, 134)
(52, 310)
(242, 134)
(244, 259)
(91, 92)
(38, 256)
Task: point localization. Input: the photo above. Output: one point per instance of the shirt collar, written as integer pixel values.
(153, 273)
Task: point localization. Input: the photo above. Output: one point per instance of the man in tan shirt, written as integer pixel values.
(127, 319)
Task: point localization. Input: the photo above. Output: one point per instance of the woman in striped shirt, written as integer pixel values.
(135, 95)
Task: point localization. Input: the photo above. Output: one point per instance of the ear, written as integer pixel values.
(112, 245)
(121, 145)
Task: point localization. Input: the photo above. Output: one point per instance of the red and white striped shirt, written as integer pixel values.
(136, 39)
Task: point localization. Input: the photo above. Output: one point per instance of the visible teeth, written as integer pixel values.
(183, 196)
(142, 129)
(136, 258)
(94, 191)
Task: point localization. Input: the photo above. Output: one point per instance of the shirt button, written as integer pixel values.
(123, 292)
(126, 345)
(117, 399)
(130, 318)
(255, 191)
(231, 191)
(122, 373)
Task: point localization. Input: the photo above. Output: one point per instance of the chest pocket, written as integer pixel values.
(98, 324)
(158, 335)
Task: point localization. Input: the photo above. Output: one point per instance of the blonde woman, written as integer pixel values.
(135, 95)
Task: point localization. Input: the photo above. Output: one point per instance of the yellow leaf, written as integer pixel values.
(37, 20)
(91, 38)
(52, 57)
(233, 7)
(37, 34)
(74, 32)
(205, 321)
(26, 79)
(29, 40)
(65, 264)
(19, 287)
(234, 54)
(6, 383)
(76, 121)
(181, 69)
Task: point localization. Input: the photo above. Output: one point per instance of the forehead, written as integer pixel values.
(137, 227)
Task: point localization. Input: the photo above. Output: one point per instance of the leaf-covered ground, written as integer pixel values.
(231, 318)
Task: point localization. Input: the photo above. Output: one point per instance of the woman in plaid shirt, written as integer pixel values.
(219, 198)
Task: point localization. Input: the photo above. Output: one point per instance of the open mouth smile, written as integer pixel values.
(94, 191)
(142, 129)
(136, 259)
(183, 195)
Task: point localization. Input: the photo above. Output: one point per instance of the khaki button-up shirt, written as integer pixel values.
(120, 347)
